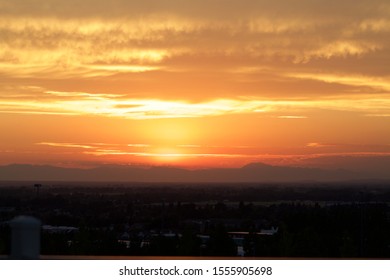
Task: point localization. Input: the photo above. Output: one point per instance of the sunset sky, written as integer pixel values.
(205, 83)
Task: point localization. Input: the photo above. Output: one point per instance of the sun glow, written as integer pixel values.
(195, 82)
(169, 155)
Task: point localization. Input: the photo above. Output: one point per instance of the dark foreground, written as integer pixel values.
(254, 220)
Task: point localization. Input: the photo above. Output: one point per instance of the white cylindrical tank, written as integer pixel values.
(25, 238)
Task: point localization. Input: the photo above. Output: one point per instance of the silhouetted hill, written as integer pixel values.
(375, 166)
(254, 172)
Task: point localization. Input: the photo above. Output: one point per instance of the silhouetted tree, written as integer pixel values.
(220, 244)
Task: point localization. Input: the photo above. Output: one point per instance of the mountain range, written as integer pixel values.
(254, 172)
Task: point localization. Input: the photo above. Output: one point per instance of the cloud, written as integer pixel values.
(356, 157)
(172, 59)
(124, 106)
(201, 8)
(66, 145)
(99, 37)
(317, 145)
(380, 84)
(292, 117)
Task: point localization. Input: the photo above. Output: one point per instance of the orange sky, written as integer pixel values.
(193, 83)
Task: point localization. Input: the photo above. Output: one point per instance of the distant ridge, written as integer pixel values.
(254, 172)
